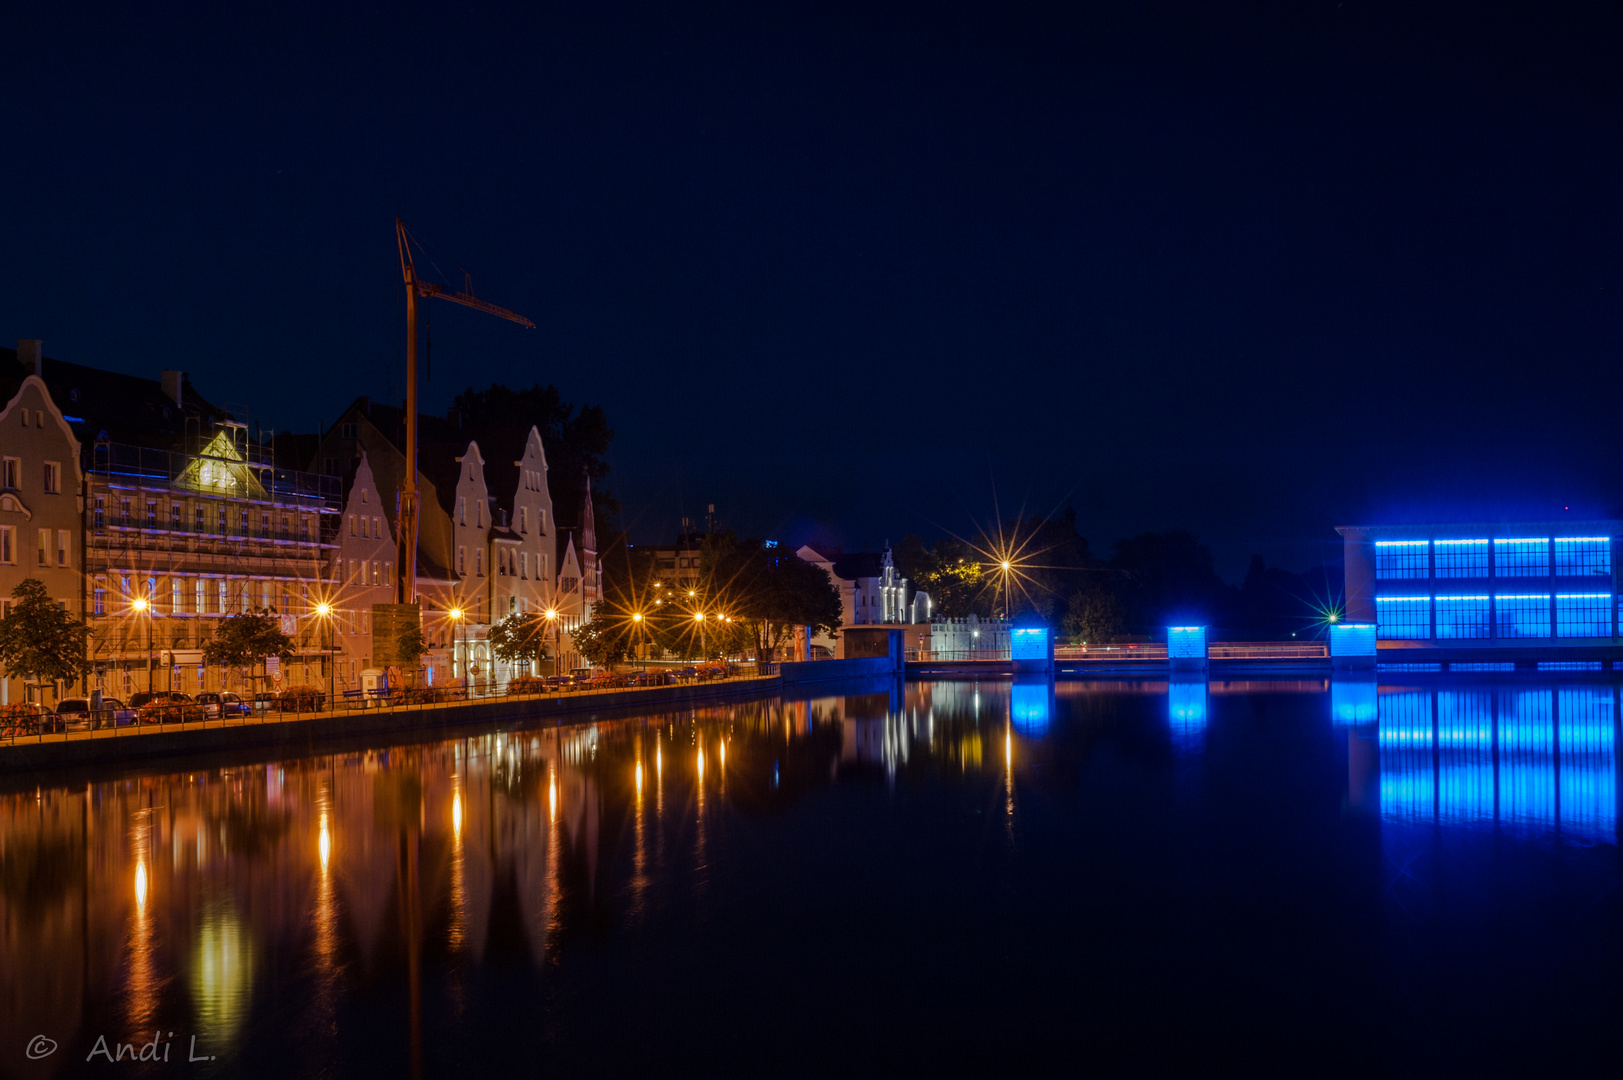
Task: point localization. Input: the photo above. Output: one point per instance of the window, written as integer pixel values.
(202, 591)
(1583, 556)
(1399, 618)
(479, 562)
(11, 471)
(264, 527)
(99, 514)
(177, 595)
(541, 521)
(346, 431)
(462, 511)
(388, 572)
(1461, 558)
(53, 478)
(523, 519)
(174, 516)
(376, 575)
(124, 513)
(25, 418)
(242, 522)
(98, 597)
(201, 526)
(45, 547)
(1521, 558)
(377, 528)
(352, 571)
(152, 513)
(352, 524)
(225, 596)
(524, 564)
(479, 513)
(8, 545)
(62, 547)
(1462, 616)
(1583, 614)
(1397, 559)
(462, 560)
(1522, 615)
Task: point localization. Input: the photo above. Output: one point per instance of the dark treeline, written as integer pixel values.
(1147, 582)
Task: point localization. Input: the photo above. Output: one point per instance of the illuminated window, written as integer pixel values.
(1583, 615)
(1462, 616)
(1399, 618)
(1522, 615)
(1462, 558)
(1402, 559)
(1521, 558)
(1583, 556)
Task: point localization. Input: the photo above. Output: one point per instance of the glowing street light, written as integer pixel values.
(324, 613)
(455, 615)
(142, 606)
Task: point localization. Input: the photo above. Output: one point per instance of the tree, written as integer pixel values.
(768, 590)
(1095, 616)
(39, 640)
(411, 645)
(242, 640)
(520, 638)
(603, 640)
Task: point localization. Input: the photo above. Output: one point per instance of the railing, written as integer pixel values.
(134, 723)
(1148, 650)
(956, 656)
(1268, 650)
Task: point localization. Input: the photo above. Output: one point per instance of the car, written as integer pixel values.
(78, 716)
(221, 704)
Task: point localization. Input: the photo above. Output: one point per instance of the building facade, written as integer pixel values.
(1494, 592)
(41, 504)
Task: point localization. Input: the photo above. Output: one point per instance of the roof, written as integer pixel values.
(1592, 527)
(126, 408)
(859, 564)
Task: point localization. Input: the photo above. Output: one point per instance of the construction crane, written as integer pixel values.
(406, 564)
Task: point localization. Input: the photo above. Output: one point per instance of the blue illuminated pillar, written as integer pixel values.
(1186, 648)
(1352, 646)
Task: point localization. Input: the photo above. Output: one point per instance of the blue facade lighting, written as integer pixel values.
(1521, 558)
(1186, 643)
(1352, 639)
(1462, 616)
(1402, 618)
(1028, 643)
(1522, 615)
(1462, 558)
(1583, 615)
(1352, 701)
(1583, 556)
(1399, 559)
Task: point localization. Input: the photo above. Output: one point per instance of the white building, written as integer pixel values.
(871, 592)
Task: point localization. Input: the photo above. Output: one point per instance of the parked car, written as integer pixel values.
(222, 704)
(76, 713)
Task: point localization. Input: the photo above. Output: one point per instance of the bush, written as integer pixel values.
(303, 697)
(527, 684)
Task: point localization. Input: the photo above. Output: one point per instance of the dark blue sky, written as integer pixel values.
(1248, 271)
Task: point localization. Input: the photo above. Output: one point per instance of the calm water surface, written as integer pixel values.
(952, 876)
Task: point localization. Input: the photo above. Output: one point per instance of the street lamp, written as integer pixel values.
(324, 613)
(552, 624)
(141, 606)
(456, 626)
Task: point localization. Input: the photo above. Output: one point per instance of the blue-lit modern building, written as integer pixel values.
(1475, 593)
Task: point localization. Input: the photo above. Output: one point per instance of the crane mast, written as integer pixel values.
(406, 563)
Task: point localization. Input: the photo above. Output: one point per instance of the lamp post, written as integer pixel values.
(324, 613)
(143, 607)
(456, 627)
(552, 624)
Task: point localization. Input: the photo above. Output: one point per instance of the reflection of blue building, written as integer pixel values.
(1186, 713)
(1028, 705)
(1538, 756)
(1474, 591)
(1352, 700)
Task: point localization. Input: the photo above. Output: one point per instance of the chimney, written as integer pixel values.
(171, 381)
(31, 354)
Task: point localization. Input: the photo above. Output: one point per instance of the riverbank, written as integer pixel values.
(298, 732)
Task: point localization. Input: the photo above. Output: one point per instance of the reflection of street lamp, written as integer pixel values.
(141, 606)
(456, 625)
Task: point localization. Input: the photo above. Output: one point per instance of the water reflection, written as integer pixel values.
(405, 875)
(1525, 756)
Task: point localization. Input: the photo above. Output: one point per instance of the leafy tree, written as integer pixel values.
(576, 442)
(411, 645)
(520, 637)
(1094, 615)
(768, 591)
(242, 640)
(39, 640)
(604, 640)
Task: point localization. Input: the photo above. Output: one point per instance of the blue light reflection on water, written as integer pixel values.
(1536, 757)
(1028, 706)
(1186, 713)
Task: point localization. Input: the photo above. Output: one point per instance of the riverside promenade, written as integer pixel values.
(301, 730)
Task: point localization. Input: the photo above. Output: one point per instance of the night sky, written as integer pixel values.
(855, 269)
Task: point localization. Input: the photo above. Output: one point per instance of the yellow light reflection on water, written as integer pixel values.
(141, 884)
(325, 842)
(222, 973)
(639, 779)
(456, 813)
(724, 753)
(659, 762)
(1008, 749)
(701, 765)
(552, 796)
